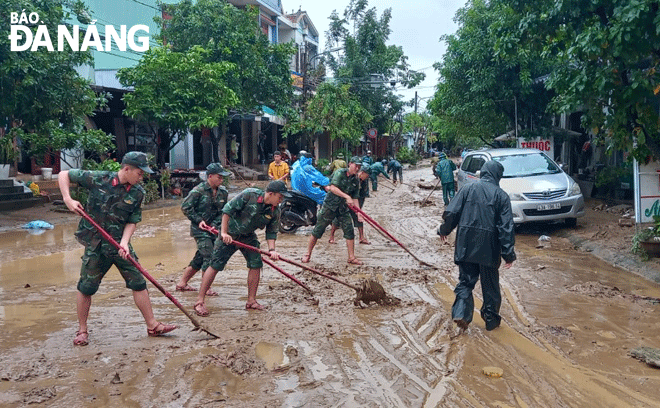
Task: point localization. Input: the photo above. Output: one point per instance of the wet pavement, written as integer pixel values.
(569, 323)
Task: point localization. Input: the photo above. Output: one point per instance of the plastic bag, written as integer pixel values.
(37, 224)
(303, 175)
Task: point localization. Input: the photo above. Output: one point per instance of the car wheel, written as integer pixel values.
(571, 222)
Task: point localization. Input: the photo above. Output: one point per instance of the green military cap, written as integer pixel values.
(340, 155)
(356, 160)
(278, 186)
(365, 168)
(137, 159)
(216, 168)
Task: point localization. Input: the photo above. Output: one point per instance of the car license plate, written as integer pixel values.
(546, 207)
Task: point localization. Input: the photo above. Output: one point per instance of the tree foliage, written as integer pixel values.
(333, 109)
(483, 92)
(42, 96)
(261, 74)
(368, 64)
(592, 56)
(177, 91)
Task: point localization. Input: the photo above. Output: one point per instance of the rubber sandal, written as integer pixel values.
(200, 309)
(355, 261)
(308, 257)
(332, 241)
(212, 293)
(186, 288)
(254, 306)
(161, 329)
(365, 242)
(81, 338)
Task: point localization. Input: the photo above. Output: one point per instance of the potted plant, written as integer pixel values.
(646, 242)
(8, 154)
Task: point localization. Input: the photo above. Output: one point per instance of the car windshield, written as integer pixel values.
(525, 165)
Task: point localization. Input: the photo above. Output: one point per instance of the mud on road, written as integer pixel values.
(569, 323)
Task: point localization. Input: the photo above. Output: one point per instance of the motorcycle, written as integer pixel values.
(297, 211)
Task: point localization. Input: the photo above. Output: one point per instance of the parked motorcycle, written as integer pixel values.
(297, 211)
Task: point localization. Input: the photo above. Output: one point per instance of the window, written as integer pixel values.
(475, 164)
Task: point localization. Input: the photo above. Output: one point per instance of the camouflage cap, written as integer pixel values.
(340, 155)
(216, 168)
(278, 186)
(356, 160)
(137, 159)
(365, 168)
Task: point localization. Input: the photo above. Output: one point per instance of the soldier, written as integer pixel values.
(344, 188)
(395, 168)
(363, 175)
(374, 170)
(203, 207)
(114, 203)
(367, 158)
(445, 170)
(252, 209)
(338, 163)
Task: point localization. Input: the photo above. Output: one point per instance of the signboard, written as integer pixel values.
(297, 80)
(372, 133)
(648, 176)
(546, 145)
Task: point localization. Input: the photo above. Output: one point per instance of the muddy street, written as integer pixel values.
(569, 324)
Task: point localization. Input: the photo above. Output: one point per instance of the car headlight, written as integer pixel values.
(516, 197)
(574, 190)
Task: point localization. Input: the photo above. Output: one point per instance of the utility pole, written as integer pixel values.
(415, 101)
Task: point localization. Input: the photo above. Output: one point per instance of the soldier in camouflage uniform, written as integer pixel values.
(374, 170)
(363, 175)
(252, 209)
(203, 207)
(344, 188)
(114, 203)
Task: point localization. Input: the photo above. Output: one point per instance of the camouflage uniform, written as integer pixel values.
(112, 206)
(247, 213)
(374, 170)
(335, 206)
(200, 205)
(337, 164)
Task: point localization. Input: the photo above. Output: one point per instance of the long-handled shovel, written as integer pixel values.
(390, 236)
(432, 190)
(167, 294)
(267, 261)
(371, 291)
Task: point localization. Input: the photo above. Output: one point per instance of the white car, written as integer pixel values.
(539, 189)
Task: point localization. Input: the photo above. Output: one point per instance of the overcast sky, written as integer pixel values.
(416, 26)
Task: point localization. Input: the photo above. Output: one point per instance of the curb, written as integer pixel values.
(623, 260)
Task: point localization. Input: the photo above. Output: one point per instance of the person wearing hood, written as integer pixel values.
(374, 170)
(304, 175)
(445, 170)
(395, 168)
(485, 235)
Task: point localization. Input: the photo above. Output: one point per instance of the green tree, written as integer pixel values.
(43, 98)
(368, 65)
(335, 110)
(177, 91)
(261, 74)
(487, 88)
(608, 54)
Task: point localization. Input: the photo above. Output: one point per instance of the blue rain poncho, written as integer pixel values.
(303, 174)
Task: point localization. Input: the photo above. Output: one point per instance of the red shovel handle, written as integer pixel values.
(374, 224)
(167, 294)
(214, 230)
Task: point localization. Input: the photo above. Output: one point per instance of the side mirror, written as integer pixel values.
(478, 173)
